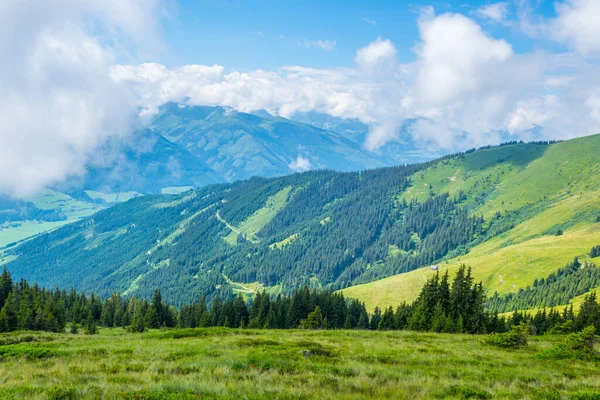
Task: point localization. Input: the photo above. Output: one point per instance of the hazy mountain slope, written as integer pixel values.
(145, 163)
(400, 151)
(140, 164)
(339, 229)
(542, 190)
(239, 145)
(236, 145)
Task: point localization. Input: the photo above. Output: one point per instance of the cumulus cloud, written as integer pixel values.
(455, 57)
(60, 102)
(378, 56)
(497, 12)
(300, 164)
(465, 88)
(327, 45)
(577, 25)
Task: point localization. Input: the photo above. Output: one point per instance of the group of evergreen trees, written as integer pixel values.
(329, 311)
(572, 280)
(30, 307)
(442, 306)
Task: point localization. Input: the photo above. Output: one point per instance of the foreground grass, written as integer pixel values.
(236, 364)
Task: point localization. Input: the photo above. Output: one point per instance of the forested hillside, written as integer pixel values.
(542, 210)
(333, 229)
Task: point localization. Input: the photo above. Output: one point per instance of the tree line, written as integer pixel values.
(572, 280)
(457, 306)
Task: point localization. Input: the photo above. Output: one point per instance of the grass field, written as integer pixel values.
(117, 197)
(254, 223)
(12, 232)
(246, 364)
(72, 208)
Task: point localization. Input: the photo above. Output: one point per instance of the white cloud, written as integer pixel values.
(465, 89)
(379, 57)
(327, 45)
(64, 96)
(495, 11)
(300, 164)
(59, 101)
(370, 21)
(577, 24)
(454, 57)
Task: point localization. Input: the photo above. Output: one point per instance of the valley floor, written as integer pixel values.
(236, 364)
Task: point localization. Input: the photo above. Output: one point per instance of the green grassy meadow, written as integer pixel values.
(220, 363)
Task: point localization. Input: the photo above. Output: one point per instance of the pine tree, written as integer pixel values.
(387, 321)
(90, 326)
(138, 321)
(439, 318)
(314, 320)
(8, 314)
(375, 318)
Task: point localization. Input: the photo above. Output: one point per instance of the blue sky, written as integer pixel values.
(246, 35)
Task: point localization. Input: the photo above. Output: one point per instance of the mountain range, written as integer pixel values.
(514, 213)
(187, 147)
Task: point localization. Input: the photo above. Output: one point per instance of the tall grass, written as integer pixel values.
(247, 364)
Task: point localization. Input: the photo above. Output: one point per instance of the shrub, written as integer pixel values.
(28, 351)
(562, 329)
(314, 320)
(577, 345)
(583, 340)
(90, 327)
(517, 337)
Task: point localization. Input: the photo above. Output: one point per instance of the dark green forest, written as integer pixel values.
(456, 306)
(344, 225)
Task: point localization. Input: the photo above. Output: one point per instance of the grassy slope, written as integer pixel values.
(561, 179)
(234, 364)
(254, 223)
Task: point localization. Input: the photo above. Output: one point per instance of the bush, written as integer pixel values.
(90, 327)
(583, 340)
(517, 337)
(562, 329)
(28, 351)
(577, 345)
(314, 320)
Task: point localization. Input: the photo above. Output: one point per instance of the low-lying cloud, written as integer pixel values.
(59, 101)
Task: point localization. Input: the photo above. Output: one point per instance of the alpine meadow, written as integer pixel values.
(292, 200)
